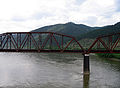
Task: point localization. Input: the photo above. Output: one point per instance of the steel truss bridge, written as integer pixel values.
(55, 42)
(51, 42)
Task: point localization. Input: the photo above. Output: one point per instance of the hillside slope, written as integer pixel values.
(81, 31)
(68, 28)
(106, 30)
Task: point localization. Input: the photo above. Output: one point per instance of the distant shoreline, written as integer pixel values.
(110, 56)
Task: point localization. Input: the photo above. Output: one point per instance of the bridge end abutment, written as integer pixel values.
(86, 64)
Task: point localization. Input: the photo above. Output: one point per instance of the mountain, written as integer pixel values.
(100, 31)
(81, 31)
(69, 28)
(84, 34)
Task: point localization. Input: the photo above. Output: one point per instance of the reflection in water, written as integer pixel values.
(86, 78)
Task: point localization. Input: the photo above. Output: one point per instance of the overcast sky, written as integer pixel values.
(26, 15)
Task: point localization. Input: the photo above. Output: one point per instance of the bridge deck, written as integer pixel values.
(55, 51)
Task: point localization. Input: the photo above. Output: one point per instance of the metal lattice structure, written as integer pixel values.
(106, 44)
(55, 42)
(37, 42)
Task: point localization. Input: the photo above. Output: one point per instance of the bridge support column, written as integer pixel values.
(86, 66)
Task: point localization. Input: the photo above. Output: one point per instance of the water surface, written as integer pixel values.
(34, 70)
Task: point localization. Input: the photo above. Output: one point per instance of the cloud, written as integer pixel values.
(90, 19)
(7, 26)
(18, 18)
(117, 5)
(101, 10)
(26, 15)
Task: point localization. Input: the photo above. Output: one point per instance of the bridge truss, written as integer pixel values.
(106, 44)
(37, 42)
(55, 42)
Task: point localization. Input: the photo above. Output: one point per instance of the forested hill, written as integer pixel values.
(106, 30)
(80, 31)
(68, 28)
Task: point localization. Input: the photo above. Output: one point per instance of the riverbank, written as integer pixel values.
(111, 56)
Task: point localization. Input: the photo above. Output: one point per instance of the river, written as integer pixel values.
(42, 70)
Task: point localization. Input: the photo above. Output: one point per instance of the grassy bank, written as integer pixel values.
(109, 55)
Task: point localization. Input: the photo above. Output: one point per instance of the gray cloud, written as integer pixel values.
(18, 19)
(79, 2)
(117, 2)
(91, 20)
(40, 15)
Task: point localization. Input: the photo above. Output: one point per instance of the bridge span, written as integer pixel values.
(51, 42)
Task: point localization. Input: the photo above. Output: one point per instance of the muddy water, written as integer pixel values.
(33, 70)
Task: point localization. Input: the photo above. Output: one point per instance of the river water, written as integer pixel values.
(34, 70)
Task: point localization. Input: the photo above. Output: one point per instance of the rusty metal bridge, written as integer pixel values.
(55, 42)
(50, 42)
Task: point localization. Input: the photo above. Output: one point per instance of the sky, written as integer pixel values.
(27, 15)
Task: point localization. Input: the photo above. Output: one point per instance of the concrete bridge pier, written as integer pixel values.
(86, 65)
